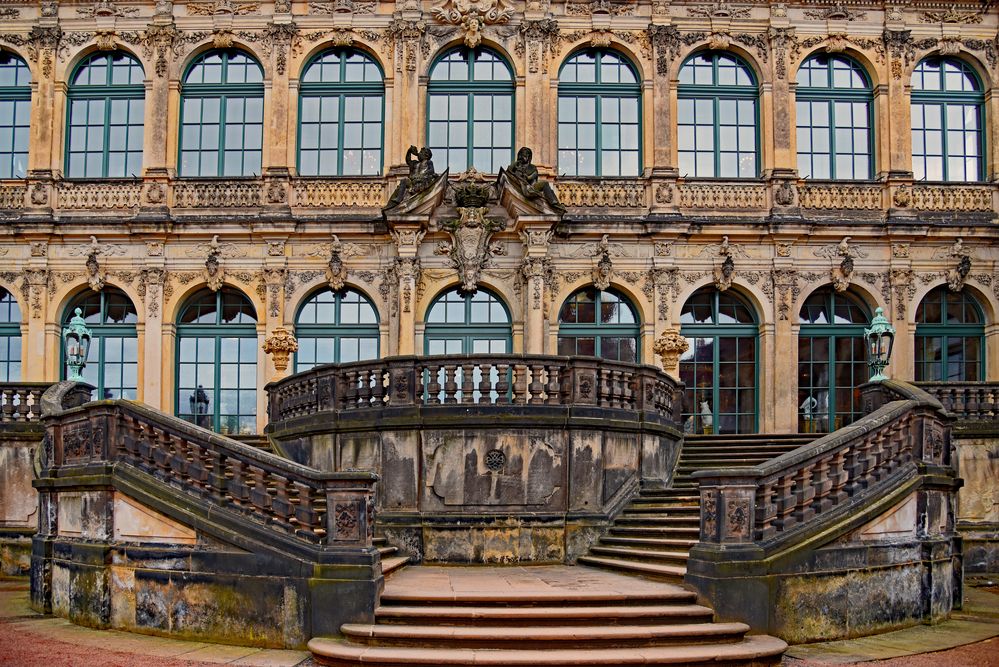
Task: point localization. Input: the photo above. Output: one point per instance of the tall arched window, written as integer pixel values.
(950, 337)
(598, 324)
(598, 115)
(719, 368)
(334, 328)
(470, 114)
(222, 115)
(106, 117)
(947, 121)
(15, 115)
(10, 338)
(717, 117)
(217, 362)
(476, 323)
(341, 106)
(834, 106)
(832, 360)
(113, 360)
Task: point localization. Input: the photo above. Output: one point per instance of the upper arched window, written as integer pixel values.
(470, 114)
(834, 106)
(717, 117)
(106, 117)
(950, 337)
(947, 121)
(10, 337)
(334, 328)
(222, 116)
(15, 115)
(466, 323)
(340, 115)
(113, 361)
(599, 324)
(598, 116)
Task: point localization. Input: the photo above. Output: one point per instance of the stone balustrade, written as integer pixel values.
(837, 196)
(969, 401)
(481, 380)
(328, 509)
(20, 402)
(762, 508)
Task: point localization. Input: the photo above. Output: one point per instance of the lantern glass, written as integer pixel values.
(880, 340)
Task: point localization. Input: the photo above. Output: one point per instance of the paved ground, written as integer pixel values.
(971, 639)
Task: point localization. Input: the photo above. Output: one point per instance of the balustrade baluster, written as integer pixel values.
(236, 483)
(553, 388)
(450, 384)
(785, 500)
(281, 506)
(766, 510)
(161, 454)
(7, 405)
(519, 384)
(23, 409)
(351, 379)
(467, 382)
(536, 386)
(432, 383)
(804, 492)
(628, 384)
(378, 387)
(838, 476)
(960, 401)
(502, 383)
(259, 495)
(821, 485)
(485, 382)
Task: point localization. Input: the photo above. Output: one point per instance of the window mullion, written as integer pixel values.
(341, 127)
(832, 140)
(223, 107)
(106, 152)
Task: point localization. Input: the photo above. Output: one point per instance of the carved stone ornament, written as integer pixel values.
(523, 175)
(422, 176)
(603, 272)
(279, 345)
(669, 346)
(222, 7)
(214, 273)
(336, 269)
(471, 16)
(784, 194)
(724, 274)
(957, 275)
(95, 274)
(470, 248)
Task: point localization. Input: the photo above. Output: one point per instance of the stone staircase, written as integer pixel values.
(391, 558)
(654, 533)
(542, 615)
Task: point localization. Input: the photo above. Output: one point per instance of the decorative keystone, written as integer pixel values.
(669, 346)
(279, 345)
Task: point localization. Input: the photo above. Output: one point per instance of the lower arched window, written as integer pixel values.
(217, 362)
(831, 360)
(598, 324)
(10, 338)
(950, 337)
(113, 361)
(719, 369)
(335, 328)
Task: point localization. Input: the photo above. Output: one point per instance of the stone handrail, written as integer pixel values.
(20, 402)
(969, 401)
(322, 509)
(762, 508)
(520, 380)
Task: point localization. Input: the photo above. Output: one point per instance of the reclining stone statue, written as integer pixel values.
(524, 175)
(421, 175)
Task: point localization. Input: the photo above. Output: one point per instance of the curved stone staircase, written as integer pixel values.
(542, 615)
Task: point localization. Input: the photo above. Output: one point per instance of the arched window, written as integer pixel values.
(950, 337)
(476, 323)
(947, 121)
(834, 103)
(222, 115)
(106, 117)
(598, 115)
(113, 360)
(217, 362)
(335, 328)
(717, 117)
(15, 115)
(832, 360)
(719, 368)
(470, 114)
(10, 338)
(598, 324)
(340, 115)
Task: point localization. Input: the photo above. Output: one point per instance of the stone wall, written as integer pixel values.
(18, 500)
(978, 501)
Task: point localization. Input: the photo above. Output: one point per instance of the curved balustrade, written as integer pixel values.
(480, 380)
(969, 401)
(21, 402)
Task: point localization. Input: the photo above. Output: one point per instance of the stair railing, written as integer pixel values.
(758, 509)
(969, 401)
(21, 402)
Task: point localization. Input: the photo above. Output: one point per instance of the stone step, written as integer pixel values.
(509, 599)
(527, 636)
(658, 520)
(545, 615)
(393, 563)
(677, 557)
(756, 650)
(661, 570)
(663, 509)
(385, 551)
(673, 532)
(663, 543)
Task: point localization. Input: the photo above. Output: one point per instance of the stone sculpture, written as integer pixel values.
(421, 175)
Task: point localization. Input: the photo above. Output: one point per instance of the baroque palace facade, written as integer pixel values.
(205, 181)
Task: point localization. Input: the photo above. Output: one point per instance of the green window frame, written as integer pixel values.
(718, 133)
(15, 115)
(470, 110)
(334, 328)
(832, 360)
(720, 367)
(948, 121)
(113, 359)
(835, 119)
(106, 118)
(341, 113)
(216, 365)
(599, 323)
(222, 116)
(950, 337)
(10, 337)
(599, 115)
